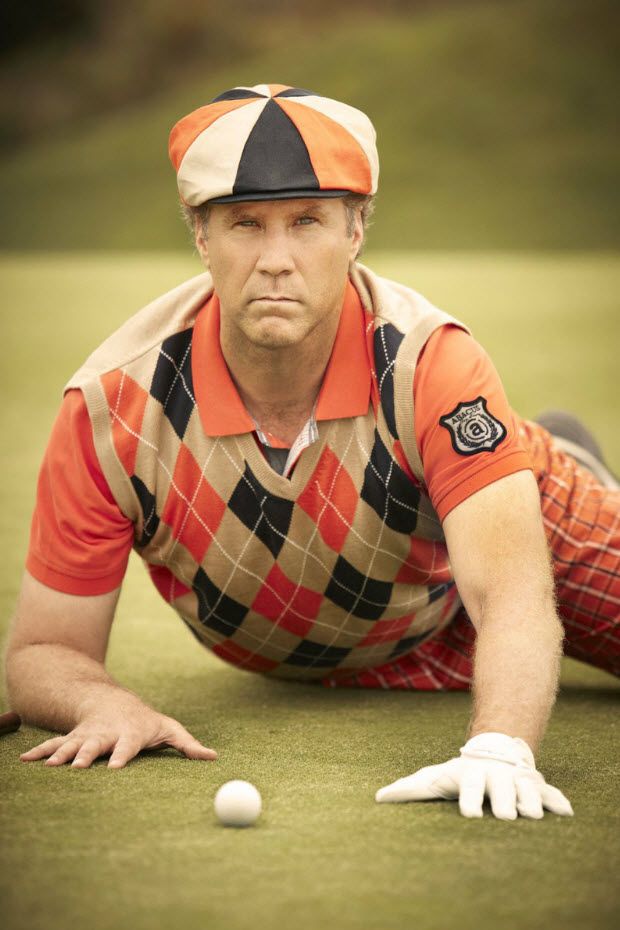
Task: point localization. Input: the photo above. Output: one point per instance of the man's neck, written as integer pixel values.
(279, 387)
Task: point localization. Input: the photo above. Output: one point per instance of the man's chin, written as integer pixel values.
(274, 334)
(275, 341)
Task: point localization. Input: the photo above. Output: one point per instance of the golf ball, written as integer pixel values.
(237, 804)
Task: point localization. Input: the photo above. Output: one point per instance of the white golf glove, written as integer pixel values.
(500, 766)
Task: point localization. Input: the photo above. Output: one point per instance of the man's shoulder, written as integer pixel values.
(395, 304)
(170, 313)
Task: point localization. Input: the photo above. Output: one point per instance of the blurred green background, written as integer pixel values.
(498, 199)
(497, 121)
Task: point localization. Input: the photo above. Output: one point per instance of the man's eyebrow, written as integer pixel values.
(312, 203)
(310, 206)
(252, 210)
(241, 210)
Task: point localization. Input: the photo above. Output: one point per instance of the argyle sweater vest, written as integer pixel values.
(341, 567)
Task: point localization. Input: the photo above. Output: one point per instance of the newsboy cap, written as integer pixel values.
(273, 142)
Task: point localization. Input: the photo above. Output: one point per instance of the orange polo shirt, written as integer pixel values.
(80, 541)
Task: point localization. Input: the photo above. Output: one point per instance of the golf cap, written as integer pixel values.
(273, 142)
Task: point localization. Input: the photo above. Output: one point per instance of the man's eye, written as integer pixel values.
(247, 223)
(306, 220)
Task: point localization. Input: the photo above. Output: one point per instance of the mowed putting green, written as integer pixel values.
(140, 848)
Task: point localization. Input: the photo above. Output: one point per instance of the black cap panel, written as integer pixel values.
(296, 92)
(237, 93)
(274, 157)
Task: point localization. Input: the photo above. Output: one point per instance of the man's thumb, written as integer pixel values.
(190, 747)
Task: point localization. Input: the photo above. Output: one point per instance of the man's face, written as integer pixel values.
(279, 268)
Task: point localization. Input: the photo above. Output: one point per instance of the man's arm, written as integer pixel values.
(56, 679)
(501, 565)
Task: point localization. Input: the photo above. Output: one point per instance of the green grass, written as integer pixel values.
(139, 848)
(496, 129)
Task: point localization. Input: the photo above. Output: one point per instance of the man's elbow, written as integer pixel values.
(521, 596)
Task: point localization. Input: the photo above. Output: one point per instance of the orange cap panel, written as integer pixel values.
(338, 159)
(189, 128)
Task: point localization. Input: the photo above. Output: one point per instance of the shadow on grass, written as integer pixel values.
(247, 689)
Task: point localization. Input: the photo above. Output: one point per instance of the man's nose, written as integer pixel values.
(275, 255)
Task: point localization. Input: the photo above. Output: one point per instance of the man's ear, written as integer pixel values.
(201, 243)
(357, 238)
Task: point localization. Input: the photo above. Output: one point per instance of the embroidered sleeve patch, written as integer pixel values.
(472, 428)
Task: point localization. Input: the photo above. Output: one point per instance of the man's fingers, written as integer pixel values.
(555, 801)
(91, 749)
(187, 744)
(471, 795)
(198, 751)
(392, 793)
(502, 791)
(125, 750)
(43, 749)
(84, 749)
(65, 752)
(529, 802)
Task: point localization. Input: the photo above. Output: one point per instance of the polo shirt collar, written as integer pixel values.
(345, 391)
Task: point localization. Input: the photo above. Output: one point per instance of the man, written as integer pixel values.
(322, 474)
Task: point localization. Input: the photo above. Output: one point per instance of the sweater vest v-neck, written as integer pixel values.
(340, 567)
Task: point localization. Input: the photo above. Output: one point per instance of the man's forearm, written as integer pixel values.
(516, 672)
(52, 686)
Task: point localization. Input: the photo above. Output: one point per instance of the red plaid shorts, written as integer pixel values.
(582, 523)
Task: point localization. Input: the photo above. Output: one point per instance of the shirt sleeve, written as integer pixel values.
(79, 539)
(467, 434)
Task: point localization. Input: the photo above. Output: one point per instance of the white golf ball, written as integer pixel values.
(237, 804)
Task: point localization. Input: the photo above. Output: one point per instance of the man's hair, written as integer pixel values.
(364, 204)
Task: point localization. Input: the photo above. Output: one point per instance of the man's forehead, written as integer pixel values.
(293, 205)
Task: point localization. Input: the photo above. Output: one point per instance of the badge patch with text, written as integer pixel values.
(472, 428)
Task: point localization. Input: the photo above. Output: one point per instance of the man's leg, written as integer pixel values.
(580, 500)
(570, 435)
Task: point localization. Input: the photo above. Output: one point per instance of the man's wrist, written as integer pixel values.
(508, 728)
(100, 694)
(499, 746)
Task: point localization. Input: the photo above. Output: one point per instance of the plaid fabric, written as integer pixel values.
(582, 523)
(341, 567)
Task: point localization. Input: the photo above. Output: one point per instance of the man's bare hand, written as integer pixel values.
(121, 733)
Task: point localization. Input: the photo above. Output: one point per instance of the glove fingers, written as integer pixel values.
(502, 792)
(471, 795)
(529, 802)
(434, 781)
(555, 801)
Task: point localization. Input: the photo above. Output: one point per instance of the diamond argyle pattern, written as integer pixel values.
(172, 382)
(388, 490)
(387, 340)
(436, 592)
(264, 514)
(330, 499)
(356, 593)
(330, 571)
(215, 609)
(316, 655)
(288, 605)
(386, 631)
(198, 523)
(126, 404)
(148, 504)
(243, 658)
(407, 644)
